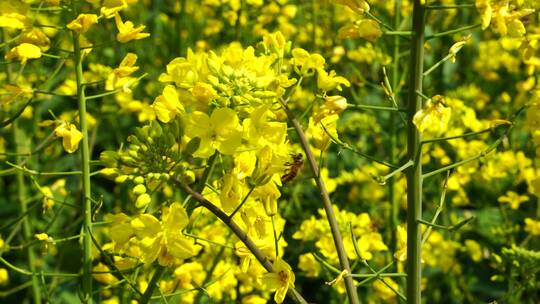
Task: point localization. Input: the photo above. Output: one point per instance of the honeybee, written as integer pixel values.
(293, 167)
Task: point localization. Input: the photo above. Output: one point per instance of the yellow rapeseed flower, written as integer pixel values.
(532, 227)
(70, 136)
(513, 199)
(23, 52)
(164, 240)
(167, 105)
(4, 276)
(127, 30)
(434, 117)
(280, 279)
(82, 23)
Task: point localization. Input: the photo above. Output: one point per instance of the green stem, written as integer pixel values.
(16, 115)
(275, 236)
(448, 228)
(190, 205)
(438, 211)
(20, 147)
(327, 203)
(398, 33)
(414, 173)
(394, 206)
(467, 160)
(426, 141)
(85, 168)
(243, 202)
(379, 275)
(436, 65)
(372, 107)
(20, 138)
(382, 180)
(370, 15)
(452, 32)
(347, 146)
(35, 274)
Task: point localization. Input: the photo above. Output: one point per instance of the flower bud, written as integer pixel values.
(143, 200)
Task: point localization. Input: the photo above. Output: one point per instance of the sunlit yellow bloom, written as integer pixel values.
(219, 131)
(308, 264)
(485, 10)
(366, 29)
(4, 276)
(474, 249)
(82, 23)
(164, 240)
(433, 117)
(70, 136)
(36, 37)
(232, 192)
(204, 92)
(105, 277)
(167, 105)
(306, 61)
(401, 246)
(127, 30)
(329, 81)
(244, 164)
(44, 237)
(111, 7)
(513, 199)
(23, 52)
(48, 199)
(254, 299)
(246, 256)
(456, 47)
(280, 279)
(14, 14)
(268, 194)
(320, 131)
(275, 42)
(369, 243)
(120, 230)
(189, 275)
(532, 226)
(118, 76)
(383, 291)
(332, 105)
(358, 6)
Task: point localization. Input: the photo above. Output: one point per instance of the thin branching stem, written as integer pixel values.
(241, 234)
(330, 215)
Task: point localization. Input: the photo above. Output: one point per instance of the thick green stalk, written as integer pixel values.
(414, 173)
(19, 138)
(85, 168)
(394, 206)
